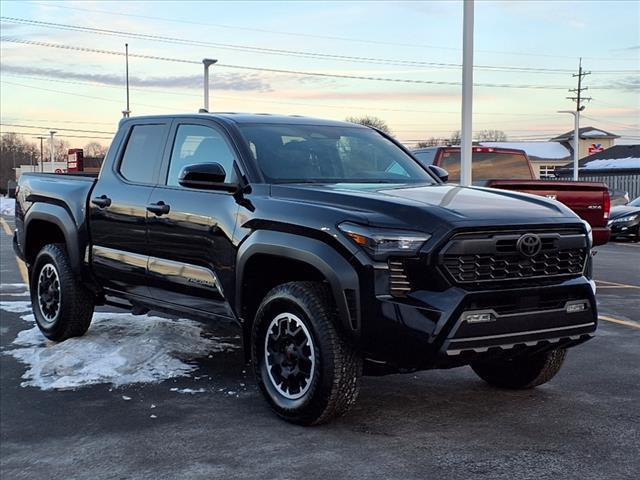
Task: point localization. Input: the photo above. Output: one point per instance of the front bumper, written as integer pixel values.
(457, 326)
(601, 235)
(17, 249)
(625, 229)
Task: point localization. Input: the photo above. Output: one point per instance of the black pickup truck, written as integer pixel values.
(331, 247)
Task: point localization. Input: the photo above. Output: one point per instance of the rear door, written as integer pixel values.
(118, 208)
(191, 252)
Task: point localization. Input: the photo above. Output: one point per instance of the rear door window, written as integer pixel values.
(143, 153)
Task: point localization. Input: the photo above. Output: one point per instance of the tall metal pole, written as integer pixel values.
(126, 113)
(41, 138)
(207, 62)
(51, 133)
(576, 145)
(576, 140)
(466, 144)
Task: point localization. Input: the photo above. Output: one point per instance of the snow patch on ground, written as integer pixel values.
(629, 162)
(188, 390)
(7, 206)
(119, 349)
(17, 306)
(547, 150)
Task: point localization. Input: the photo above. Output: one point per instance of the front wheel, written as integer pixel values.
(306, 368)
(522, 372)
(62, 306)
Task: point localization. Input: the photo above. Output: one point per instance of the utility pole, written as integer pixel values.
(466, 143)
(126, 113)
(41, 138)
(51, 133)
(578, 98)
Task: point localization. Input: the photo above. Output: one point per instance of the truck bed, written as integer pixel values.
(71, 191)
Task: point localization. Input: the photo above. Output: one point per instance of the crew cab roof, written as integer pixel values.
(250, 118)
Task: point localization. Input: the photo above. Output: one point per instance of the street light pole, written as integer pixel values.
(576, 139)
(207, 63)
(51, 133)
(466, 144)
(41, 138)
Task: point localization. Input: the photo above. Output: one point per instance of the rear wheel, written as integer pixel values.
(62, 306)
(521, 372)
(305, 367)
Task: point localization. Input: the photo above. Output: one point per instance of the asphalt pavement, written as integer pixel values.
(213, 423)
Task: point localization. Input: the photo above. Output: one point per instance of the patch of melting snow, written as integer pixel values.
(192, 391)
(16, 306)
(118, 349)
(7, 206)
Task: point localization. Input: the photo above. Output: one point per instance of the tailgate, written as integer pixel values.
(589, 200)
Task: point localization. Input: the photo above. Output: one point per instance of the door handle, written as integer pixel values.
(159, 208)
(102, 201)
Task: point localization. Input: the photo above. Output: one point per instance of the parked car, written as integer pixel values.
(510, 169)
(624, 221)
(332, 249)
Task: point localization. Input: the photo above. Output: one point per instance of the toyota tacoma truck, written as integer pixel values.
(510, 169)
(335, 252)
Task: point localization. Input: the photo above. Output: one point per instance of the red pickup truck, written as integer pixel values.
(510, 169)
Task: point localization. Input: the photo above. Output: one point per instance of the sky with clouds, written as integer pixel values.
(60, 67)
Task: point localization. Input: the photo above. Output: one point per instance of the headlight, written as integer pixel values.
(589, 232)
(628, 218)
(381, 243)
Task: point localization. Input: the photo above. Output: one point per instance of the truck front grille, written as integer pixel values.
(474, 258)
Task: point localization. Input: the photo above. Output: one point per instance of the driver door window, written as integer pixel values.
(199, 144)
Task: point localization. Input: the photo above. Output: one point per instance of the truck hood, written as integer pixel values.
(409, 204)
(623, 211)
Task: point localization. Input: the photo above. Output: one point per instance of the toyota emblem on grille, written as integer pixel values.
(529, 244)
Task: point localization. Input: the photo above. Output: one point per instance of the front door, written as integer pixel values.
(191, 254)
(118, 209)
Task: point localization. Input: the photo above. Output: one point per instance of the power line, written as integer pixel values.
(60, 121)
(278, 102)
(637, 126)
(83, 96)
(57, 129)
(277, 70)
(295, 53)
(62, 136)
(310, 35)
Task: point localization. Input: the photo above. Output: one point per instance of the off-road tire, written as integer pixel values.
(333, 387)
(521, 372)
(76, 303)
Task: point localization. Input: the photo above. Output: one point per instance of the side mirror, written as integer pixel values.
(441, 173)
(205, 176)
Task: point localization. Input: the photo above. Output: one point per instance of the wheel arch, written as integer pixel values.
(311, 259)
(46, 223)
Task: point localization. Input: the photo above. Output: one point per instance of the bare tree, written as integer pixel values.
(94, 150)
(433, 142)
(15, 151)
(455, 138)
(371, 121)
(491, 136)
(60, 151)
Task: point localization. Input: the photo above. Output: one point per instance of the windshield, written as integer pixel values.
(488, 165)
(328, 154)
(635, 203)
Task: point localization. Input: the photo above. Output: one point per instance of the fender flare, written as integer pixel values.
(340, 274)
(60, 217)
